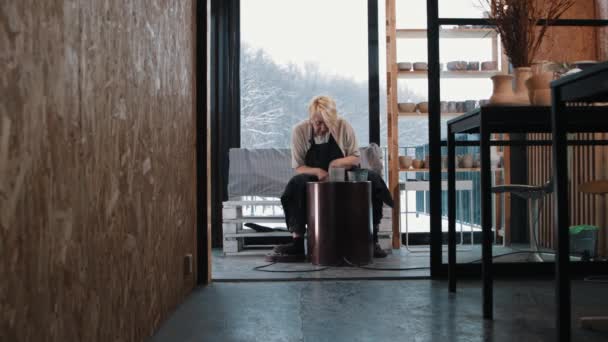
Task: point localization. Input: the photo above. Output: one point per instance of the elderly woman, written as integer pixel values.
(323, 141)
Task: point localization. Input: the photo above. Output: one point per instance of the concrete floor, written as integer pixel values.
(404, 310)
(241, 267)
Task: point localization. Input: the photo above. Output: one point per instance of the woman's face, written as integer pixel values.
(318, 124)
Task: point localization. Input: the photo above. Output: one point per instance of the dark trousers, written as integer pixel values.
(294, 201)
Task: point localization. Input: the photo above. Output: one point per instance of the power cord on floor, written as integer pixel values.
(512, 253)
(262, 269)
(384, 268)
(596, 279)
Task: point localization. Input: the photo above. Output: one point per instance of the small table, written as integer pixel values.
(339, 223)
(587, 86)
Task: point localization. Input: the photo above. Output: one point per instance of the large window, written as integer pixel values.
(293, 50)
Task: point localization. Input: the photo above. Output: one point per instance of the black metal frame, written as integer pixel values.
(486, 121)
(589, 85)
(225, 114)
(433, 27)
(201, 143)
(374, 71)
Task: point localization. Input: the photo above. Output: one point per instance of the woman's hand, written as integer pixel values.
(322, 175)
(346, 162)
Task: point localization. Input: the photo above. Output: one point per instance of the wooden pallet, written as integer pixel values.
(234, 232)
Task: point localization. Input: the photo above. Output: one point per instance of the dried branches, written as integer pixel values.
(516, 23)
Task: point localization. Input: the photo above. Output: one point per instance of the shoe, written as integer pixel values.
(289, 252)
(379, 252)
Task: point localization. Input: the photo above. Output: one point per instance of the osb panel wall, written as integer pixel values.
(97, 202)
(571, 43)
(585, 163)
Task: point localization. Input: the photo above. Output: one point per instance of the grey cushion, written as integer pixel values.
(265, 172)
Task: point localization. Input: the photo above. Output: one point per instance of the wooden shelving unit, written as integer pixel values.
(456, 32)
(472, 169)
(394, 74)
(419, 114)
(449, 74)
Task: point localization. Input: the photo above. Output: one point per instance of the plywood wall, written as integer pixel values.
(602, 42)
(572, 43)
(97, 202)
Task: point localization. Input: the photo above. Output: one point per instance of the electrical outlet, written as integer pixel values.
(187, 264)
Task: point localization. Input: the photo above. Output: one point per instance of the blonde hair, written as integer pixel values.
(326, 107)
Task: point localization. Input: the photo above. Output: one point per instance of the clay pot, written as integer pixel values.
(473, 66)
(444, 106)
(541, 97)
(460, 107)
(452, 107)
(489, 65)
(405, 162)
(420, 66)
(407, 107)
(417, 164)
(467, 161)
(404, 66)
(444, 162)
(427, 161)
(522, 74)
(423, 107)
(539, 88)
(502, 93)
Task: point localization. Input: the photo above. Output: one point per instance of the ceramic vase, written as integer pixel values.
(502, 93)
(539, 88)
(522, 74)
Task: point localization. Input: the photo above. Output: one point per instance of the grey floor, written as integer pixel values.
(241, 267)
(401, 310)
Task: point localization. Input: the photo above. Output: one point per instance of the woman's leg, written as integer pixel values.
(380, 195)
(294, 203)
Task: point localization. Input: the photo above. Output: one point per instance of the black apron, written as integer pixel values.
(321, 155)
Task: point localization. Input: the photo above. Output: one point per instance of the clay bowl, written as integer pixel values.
(489, 65)
(457, 65)
(405, 162)
(420, 66)
(584, 64)
(417, 164)
(469, 105)
(404, 66)
(407, 107)
(423, 107)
